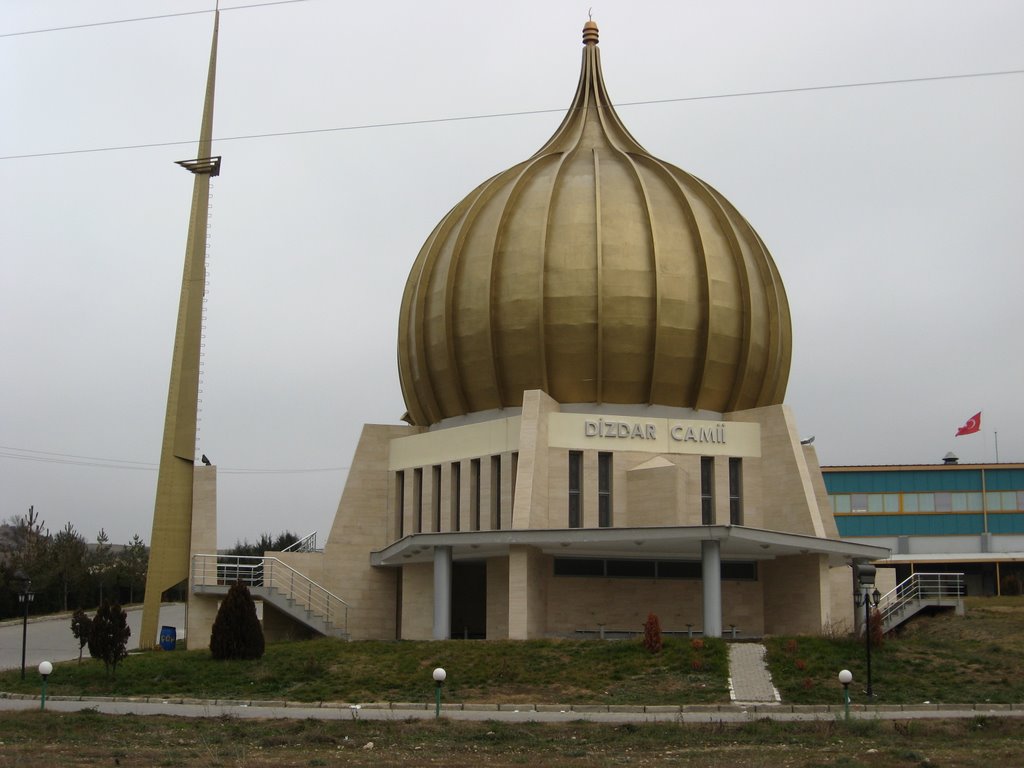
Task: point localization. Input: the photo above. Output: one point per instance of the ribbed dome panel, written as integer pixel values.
(597, 273)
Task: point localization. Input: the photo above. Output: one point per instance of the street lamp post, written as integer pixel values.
(846, 677)
(439, 677)
(25, 597)
(45, 668)
(869, 597)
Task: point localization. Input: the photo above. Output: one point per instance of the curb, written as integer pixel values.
(651, 709)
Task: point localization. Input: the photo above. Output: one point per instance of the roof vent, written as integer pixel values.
(950, 458)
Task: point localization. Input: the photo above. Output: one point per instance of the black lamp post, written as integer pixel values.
(869, 598)
(25, 597)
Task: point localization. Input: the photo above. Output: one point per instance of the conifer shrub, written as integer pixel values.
(237, 633)
(108, 637)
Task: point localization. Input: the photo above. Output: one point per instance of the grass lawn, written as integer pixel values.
(32, 739)
(940, 659)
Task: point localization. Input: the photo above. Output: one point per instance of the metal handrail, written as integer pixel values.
(932, 588)
(271, 574)
(305, 544)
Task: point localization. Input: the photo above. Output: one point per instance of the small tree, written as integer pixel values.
(108, 640)
(652, 634)
(81, 628)
(237, 633)
(68, 554)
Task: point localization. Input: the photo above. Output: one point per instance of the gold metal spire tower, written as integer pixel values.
(172, 515)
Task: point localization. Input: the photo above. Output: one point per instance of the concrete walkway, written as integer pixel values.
(547, 713)
(750, 682)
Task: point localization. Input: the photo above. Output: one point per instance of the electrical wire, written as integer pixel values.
(494, 115)
(144, 18)
(70, 459)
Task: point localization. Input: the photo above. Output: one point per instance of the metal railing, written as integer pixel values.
(305, 544)
(270, 576)
(932, 589)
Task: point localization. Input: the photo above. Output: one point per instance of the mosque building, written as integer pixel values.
(594, 347)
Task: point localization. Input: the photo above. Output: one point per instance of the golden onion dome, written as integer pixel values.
(597, 273)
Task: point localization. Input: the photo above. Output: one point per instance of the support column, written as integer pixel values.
(711, 577)
(442, 592)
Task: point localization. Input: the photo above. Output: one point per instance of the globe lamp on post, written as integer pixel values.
(439, 678)
(45, 668)
(846, 677)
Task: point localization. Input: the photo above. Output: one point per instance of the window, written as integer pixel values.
(515, 474)
(417, 499)
(707, 490)
(435, 492)
(604, 490)
(573, 566)
(496, 493)
(650, 569)
(400, 503)
(739, 571)
(631, 569)
(736, 491)
(474, 490)
(575, 489)
(456, 495)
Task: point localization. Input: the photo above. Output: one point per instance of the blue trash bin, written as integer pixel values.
(168, 638)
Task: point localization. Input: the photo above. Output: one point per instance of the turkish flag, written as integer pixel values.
(973, 425)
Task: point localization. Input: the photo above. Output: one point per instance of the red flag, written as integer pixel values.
(973, 425)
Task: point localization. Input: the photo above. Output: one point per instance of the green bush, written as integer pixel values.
(108, 638)
(237, 633)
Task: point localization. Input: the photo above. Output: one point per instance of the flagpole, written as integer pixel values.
(997, 447)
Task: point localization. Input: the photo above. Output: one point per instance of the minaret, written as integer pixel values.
(172, 516)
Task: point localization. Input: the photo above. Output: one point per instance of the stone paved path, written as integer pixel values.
(749, 679)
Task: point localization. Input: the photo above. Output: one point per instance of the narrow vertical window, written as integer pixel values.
(474, 490)
(417, 499)
(515, 473)
(707, 490)
(435, 492)
(736, 491)
(496, 493)
(400, 503)
(604, 490)
(456, 495)
(575, 489)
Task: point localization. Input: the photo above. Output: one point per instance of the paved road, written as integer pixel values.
(50, 639)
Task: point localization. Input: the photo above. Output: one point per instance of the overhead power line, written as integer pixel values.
(48, 457)
(495, 115)
(143, 18)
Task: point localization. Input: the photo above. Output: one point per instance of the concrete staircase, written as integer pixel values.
(922, 591)
(277, 584)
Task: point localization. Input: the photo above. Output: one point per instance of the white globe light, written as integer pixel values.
(45, 668)
(845, 677)
(440, 675)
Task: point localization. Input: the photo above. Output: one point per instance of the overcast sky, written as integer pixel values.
(894, 212)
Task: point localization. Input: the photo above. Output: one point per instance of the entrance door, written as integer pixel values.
(469, 600)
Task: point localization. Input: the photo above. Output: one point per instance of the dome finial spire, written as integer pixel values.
(590, 29)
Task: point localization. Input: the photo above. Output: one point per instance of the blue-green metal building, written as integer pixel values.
(965, 518)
